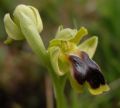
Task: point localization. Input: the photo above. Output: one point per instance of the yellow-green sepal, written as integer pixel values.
(54, 59)
(89, 46)
(65, 34)
(12, 29)
(80, 34)
(68, 35)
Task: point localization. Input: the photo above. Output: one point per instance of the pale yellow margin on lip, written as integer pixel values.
(100, 90)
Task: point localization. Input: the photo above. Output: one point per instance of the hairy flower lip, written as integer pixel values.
(77, 66)
(95, 79)
(86, 70)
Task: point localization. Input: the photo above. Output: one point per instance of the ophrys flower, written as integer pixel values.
(70, 58)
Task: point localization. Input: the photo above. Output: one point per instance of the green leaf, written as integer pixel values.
(89, 46)
(30, 12)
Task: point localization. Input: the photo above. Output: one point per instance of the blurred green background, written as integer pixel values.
(25, 84)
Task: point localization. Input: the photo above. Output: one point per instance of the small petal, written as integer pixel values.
(89, 46)
(12, 29)
(54, 58)
(55, 42)
(65, 46)
(67, 35)
(80, 34)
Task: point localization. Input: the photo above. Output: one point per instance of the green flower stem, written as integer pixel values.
(34, 40)
(58, 83)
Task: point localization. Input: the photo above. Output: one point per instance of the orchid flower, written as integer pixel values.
(70, 58)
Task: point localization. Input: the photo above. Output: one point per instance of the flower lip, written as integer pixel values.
(86, 70)
(95, 78)
(79, 68)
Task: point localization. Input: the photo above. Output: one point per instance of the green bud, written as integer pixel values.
(26, 24)
(12, 25)
(31, 12)
(12, 28)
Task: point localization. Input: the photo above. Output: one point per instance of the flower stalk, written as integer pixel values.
(33, 38)
(58, 84)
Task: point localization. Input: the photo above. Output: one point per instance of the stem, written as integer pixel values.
(60, 97)
(58, 83)
(33, 38)
(49, 92)
(36, 44)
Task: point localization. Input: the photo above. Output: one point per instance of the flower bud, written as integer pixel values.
(28, 14)
(26, 24)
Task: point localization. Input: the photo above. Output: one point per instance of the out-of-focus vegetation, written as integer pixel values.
(24, 84)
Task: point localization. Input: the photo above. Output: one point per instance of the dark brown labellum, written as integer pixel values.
(85, 69)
